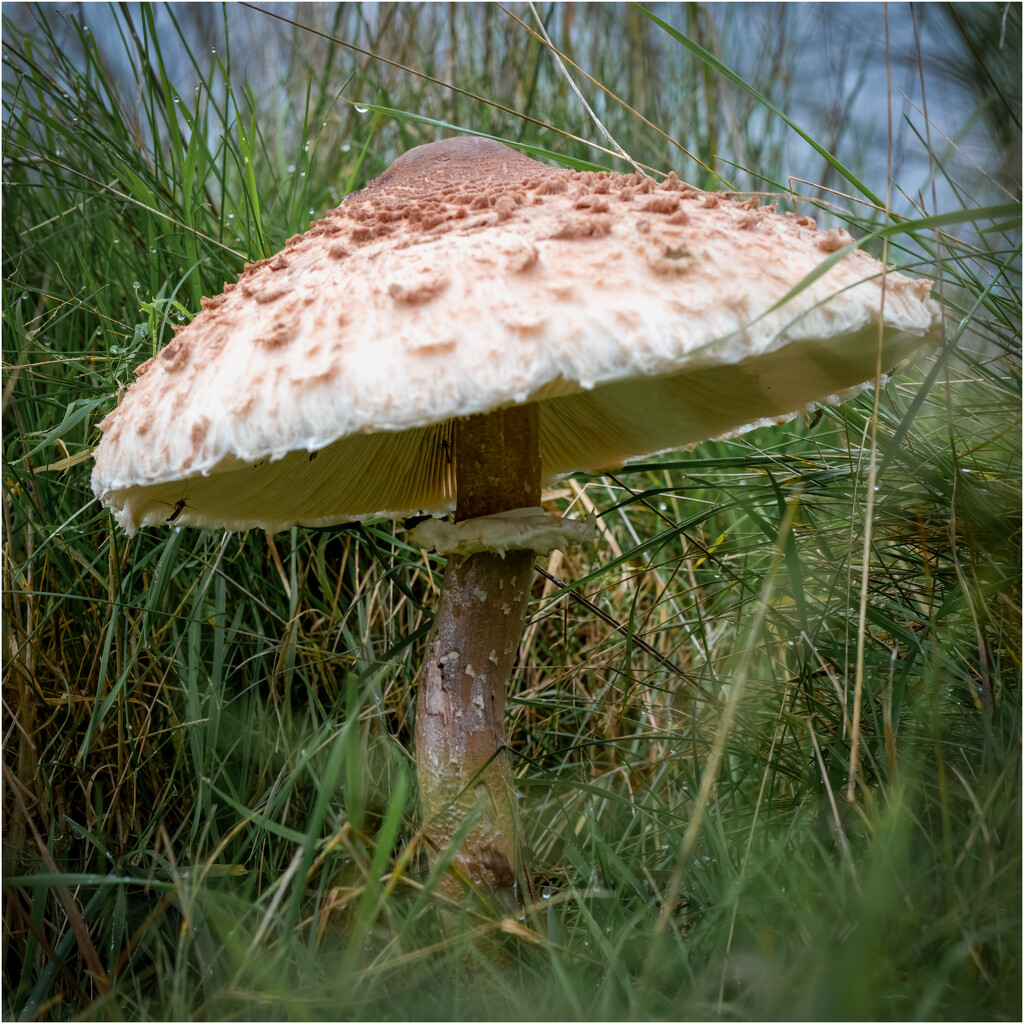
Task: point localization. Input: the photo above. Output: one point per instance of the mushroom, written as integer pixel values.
(470, 326)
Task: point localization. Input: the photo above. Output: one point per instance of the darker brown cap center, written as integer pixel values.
(464, 159)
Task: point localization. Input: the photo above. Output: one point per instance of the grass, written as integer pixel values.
(209, 796)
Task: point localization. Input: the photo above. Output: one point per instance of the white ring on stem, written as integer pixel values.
(518, 529)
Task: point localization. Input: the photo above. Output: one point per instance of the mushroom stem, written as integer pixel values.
(461, 760)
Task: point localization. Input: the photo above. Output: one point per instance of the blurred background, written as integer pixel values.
(826, 65)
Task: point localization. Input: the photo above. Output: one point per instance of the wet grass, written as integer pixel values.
(209, 796)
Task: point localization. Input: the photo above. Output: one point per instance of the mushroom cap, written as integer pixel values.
(321, 387)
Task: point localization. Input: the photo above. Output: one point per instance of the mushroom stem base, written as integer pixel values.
(461, 759)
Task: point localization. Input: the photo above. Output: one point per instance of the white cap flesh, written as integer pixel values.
(322, 386)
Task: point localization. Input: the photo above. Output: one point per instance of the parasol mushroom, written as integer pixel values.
(470, 326)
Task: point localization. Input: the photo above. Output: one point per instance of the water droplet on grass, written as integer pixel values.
(359, 109)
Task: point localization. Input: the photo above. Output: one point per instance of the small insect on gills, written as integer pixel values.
(445, 442)
(177, 508)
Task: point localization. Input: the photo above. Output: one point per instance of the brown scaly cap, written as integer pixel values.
(321, 386)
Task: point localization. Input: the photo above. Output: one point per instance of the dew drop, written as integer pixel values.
(177, 99)
(152, 249)
(345, 147)
(135, 284)
(117, 241)
(359, 109)
(291, 168)
(213, 49)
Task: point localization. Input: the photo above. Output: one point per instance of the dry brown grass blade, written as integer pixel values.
(579, 95)
(13, 900)
(78, 926)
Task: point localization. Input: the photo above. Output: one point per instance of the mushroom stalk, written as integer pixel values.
(461, 760)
